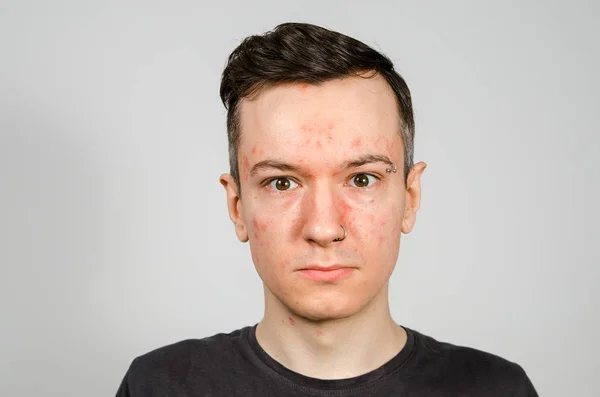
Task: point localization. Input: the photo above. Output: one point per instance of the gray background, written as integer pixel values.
(114, 232)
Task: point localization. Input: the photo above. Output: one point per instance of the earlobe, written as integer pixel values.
(234, 206)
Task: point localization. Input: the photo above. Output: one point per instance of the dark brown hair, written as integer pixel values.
(305, 53)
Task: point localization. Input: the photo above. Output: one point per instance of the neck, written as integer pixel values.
(334, 348)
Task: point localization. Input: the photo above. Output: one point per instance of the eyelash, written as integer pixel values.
(270, 180)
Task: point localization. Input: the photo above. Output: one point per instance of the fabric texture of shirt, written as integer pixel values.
(234, 364)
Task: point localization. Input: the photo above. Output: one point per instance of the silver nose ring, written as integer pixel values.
(340, 239)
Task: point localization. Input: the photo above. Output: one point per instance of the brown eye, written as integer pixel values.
(361, 180)
(281, 184)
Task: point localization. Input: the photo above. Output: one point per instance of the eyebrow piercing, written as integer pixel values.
(393, 169)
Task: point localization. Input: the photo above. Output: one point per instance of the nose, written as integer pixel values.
(322, 219)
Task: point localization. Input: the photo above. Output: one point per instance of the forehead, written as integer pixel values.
(287, 116)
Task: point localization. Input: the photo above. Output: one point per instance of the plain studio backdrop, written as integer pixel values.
(114, 232)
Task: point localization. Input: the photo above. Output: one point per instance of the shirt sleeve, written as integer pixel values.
(527, 388)
(124, 390)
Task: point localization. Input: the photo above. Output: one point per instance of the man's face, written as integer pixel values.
(302, 179)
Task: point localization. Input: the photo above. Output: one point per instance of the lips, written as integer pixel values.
(329, 273)
(325, 268)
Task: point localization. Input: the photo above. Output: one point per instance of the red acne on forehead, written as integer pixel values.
(356, 143)
(313, 127)
(302, 87)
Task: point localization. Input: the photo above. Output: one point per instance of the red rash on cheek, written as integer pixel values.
(255, 228)
(258, 226)
(348, 216)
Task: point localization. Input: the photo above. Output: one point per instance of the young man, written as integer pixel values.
(322, 185)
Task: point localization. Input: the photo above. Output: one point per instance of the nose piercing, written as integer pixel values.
(340, 239)
(393, 169)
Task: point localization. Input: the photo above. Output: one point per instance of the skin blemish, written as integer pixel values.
(292, 321)
(256, 228)
(372, 201)
(319, 332)
(254, 150)
(356, 143)
(306, 128)
(319, 144)
(347, 216)
(303, 87)
(245, 168)
(330, 125)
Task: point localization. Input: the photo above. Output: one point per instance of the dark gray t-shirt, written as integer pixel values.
(234, 364)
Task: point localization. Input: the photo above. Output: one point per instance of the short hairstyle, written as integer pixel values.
(305, 53)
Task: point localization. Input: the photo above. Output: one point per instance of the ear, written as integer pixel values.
(412, 200)
(234, 206)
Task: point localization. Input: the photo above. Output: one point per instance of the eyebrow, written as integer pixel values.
(354, 163)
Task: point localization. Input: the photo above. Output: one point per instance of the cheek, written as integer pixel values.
(384, 227)
(266, 235)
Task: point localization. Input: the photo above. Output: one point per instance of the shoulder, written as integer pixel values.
(177, 360)
(462, 366)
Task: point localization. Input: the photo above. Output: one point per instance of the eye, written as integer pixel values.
(363, 180)
(281, 184)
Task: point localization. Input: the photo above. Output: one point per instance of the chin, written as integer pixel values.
(325, 308)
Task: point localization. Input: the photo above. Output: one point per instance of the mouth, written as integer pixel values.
(329, 273)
